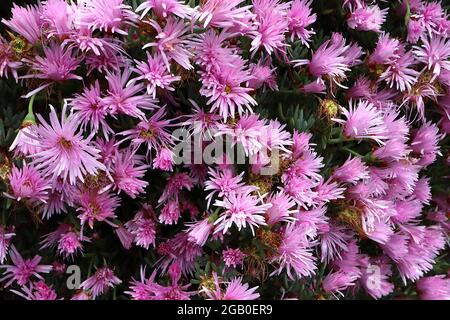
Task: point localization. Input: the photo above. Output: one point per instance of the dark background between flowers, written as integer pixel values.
(299, 111)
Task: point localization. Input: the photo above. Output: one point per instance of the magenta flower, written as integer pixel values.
(283, 206)
(165, 8)
(94, 206)
(163, 160)
(199, 231)
(338, 281)
(28, 185)
(123, 98)
(155, 74)
(235, 290)
(65, 153)
(37, 291)
(222, 14)
(58, 16)
(363, 121)
(128, 171)
(400, 72)
(106, 15)
(351, 171)
(300, 17)
(225, 91)
(23, 269)
(425, 143)
(100, 282)
(143, 227)
(26, 21)
(8, 61)
(6, 234)
(170, 213)
(375, 277)
(262, 75)
(435, 53)
(241, 209)
(91, 110)
(171, 42)
(367, 18)
(434, 288)
(233, 257)
(57, 65)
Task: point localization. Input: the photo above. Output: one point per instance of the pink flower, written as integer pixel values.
(6, 234)
(26, 21)
(400, 71)
(128, 171)
(233, 257)
(155, 74)
(100, 282)
(170, 213)
(241, 209)
(69, 244)
(224, 89)
(143, 227)
(94, 206)
(123, 98)
(106, 15)
(64, 152)
(425, 143)
(57, 65)
(153, 132)
(223, 183)
(367, 18)
(37, 291)
(375, 277)
(199, 232)
(171, 42)
(300, 17)
(386, 51)
(91, 109)
(351, 171)
(222, 14)
(235, 290)
(8, 61)
(283, 206)
(434, 288)
(271, 26)
(262, 75)
(338, 281)
(435, 53)
(295, 254)
(27, 184)
(163, 160)
(165, 8)
(58, 16)
(363, 121)
(23, 269)
(175, 184)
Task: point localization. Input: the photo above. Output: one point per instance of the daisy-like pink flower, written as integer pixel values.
(165, 8)
(57, 65)
(153, 132)
(375, 276)
(352, 171)
(234, 290)
(241, 209)
(223, 184)
(64, 152)
(175, 184)
(434, 288)
(155, 74)
(143, 227)
(363, 121)
(22, 269)
(163, 160)
(28, 185)
(170, 213)
(106, 15)
(336, 282)
(171, 42)
(222, 14)
(271, 26)
(58, 17)
(26, 21)
(38, 291)
(126, 99)
(435, 53)
(233, 257)
(425, 143)
(386, 51)
(295, 253)
(263, 75)
(283, 206)
(94, 206)
(400, 72)
(109, 58)
(128, 171)
(300, 17)
(91, 109)
(8, 63)
(6, 234)
(199, 231)
(367, 18)
(100, 282)
(225, 91)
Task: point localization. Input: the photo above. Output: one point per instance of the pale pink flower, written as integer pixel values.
(100, 282)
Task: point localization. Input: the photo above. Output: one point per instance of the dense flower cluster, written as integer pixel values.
(346, 205)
